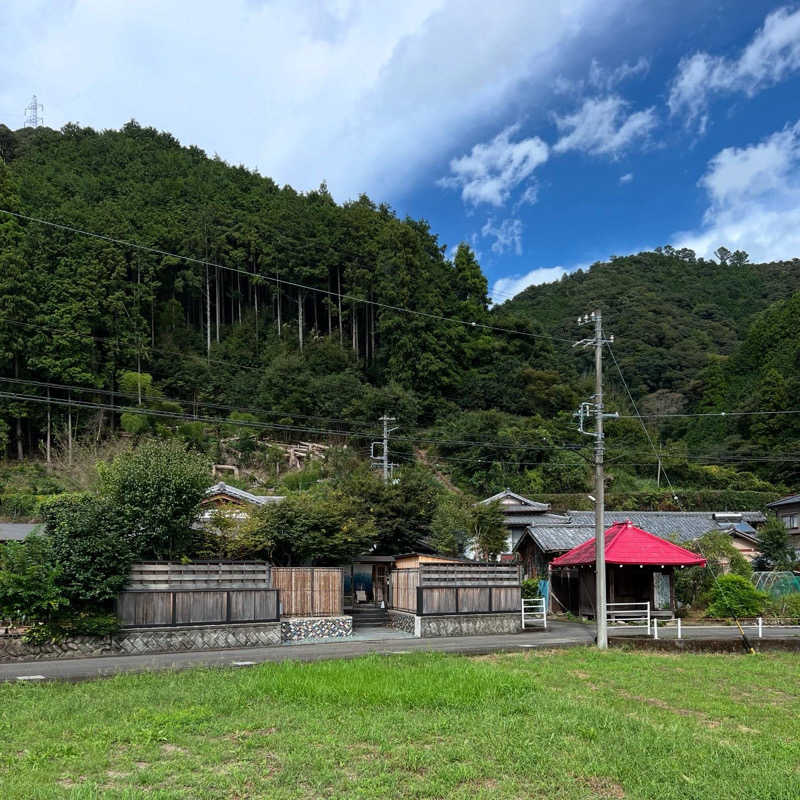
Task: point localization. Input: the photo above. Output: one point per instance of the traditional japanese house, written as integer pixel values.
(640, 567)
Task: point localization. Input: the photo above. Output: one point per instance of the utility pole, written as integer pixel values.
(586, 409)
(383, 459)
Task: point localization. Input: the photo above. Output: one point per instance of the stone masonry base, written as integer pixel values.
(137, 641)
(431, 626)
(296, 629)
(468, 624)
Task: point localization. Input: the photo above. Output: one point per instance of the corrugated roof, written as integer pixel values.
(16, 531)
(628, 544)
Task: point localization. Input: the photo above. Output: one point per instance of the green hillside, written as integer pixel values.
(257, 316)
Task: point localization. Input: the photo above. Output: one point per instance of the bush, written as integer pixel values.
(92, 546)
(530, 588)
(29, 581)
(83, 624)
(787, 605)
(735, 596)
(155, 491)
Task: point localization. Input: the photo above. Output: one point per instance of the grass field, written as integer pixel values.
(570, 724)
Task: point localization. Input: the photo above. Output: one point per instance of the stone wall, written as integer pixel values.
(468, 624)
(138, 641)
(298, 629)
(400, 620)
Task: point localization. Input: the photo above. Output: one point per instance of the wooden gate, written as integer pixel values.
(309, 591)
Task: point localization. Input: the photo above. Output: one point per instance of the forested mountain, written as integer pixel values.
(287, 312)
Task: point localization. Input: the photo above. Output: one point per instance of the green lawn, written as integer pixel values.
(570, 724)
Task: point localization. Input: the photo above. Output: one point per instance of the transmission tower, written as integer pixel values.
(33, 118)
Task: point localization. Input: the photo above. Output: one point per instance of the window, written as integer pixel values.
(790, 520)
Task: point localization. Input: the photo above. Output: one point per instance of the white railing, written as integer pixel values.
(628, 615)
(534, 609)
(756, 625)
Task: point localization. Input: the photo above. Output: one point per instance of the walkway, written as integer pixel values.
(559, 634)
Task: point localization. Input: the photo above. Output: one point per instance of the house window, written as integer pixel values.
(790, 520)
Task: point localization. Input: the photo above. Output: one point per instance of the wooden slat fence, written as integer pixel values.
(144, 608)
(199, 575)
(403, 589)
(456, 589)
(310, 591)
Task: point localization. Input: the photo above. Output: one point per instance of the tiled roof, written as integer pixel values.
(785, 501)
(15, 531)
(520, 501)
(241, 494)
(682, 526)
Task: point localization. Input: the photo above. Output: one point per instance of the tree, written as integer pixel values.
(487, 531)
(723, 254)
(735, 596)
(451, 523)
(774, 551)
(156, 491)
(739, 258)
(91, 545)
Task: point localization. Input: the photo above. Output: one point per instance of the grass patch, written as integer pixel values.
(572, 724)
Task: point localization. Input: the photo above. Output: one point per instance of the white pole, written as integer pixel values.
(760, 628)
(655, 628)
(679, 627)
(648, 617)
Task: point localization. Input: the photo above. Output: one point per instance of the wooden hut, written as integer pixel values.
(640, 567)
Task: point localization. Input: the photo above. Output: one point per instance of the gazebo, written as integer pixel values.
(640, 567)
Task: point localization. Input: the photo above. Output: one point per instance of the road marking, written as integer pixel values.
(31, 678)
(243, 663)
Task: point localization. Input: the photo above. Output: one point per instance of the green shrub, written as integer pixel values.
(82, 624)
(29, 581)
(19, 505)
(735, 596)
(530, 588)
(92, 546)
(787, 605)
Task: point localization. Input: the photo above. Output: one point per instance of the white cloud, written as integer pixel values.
(364, 94)
(626, 178)
(754, 200)
(605, 80)
(602, 126)
(506, 288)
(507, 235)
(773, 53)
(491, 170)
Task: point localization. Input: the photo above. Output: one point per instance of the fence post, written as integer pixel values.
(760, 628)
(420, 604)
(679, 627)
(655, 627)
(523, 613)
(544, 613)
(648, 617)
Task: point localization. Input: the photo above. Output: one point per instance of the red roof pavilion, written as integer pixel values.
(627, 545)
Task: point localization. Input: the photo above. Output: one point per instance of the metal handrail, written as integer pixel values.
(628, 613)
(535, 607)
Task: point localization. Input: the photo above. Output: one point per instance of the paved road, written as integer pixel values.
(559, 634)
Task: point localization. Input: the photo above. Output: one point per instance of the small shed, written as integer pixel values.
(413, 560)
(640, 567)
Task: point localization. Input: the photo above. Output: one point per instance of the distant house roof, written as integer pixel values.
(684, 526)
(224, 489)
(15, 531)
(627, 544)
(785, 501)
(511, 501)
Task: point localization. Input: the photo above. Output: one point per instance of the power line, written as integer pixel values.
(276, 280)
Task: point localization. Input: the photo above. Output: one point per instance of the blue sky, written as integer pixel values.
(548, 135)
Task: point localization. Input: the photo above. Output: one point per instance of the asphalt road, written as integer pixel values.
(559, 634)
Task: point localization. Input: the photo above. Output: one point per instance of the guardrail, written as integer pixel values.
(534, 609)
(629, 615)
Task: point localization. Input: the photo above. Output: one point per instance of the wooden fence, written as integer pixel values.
(143, 608)
(461, 588)
(199, 575)
(310, 591)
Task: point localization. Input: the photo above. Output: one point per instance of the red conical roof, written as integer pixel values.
(628, 545)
